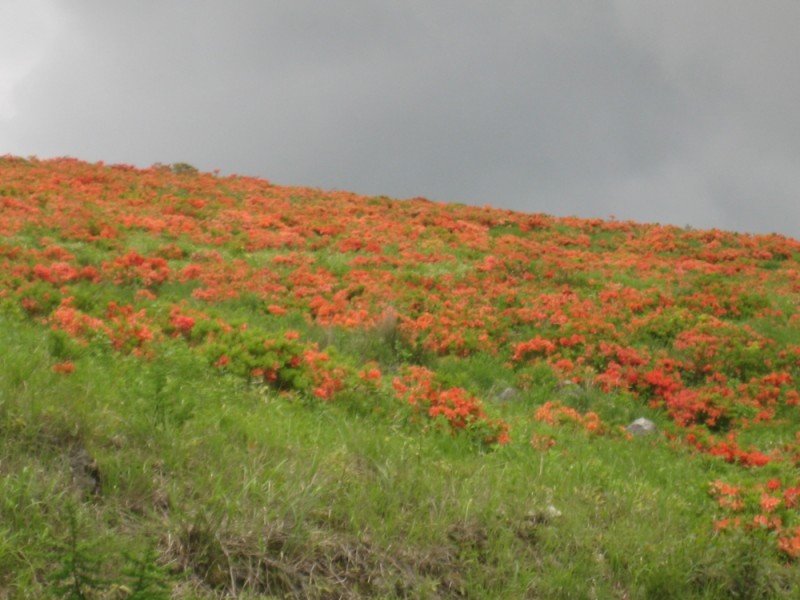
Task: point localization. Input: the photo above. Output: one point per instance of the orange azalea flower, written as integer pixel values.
(790, 544)
(65, 367)
(769, 503)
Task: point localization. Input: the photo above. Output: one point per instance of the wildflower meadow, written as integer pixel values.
(215, 386)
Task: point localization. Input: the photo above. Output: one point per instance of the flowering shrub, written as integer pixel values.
(554, 413)
(772, 506)
(77, 324)
(132, 268)
(456, 407)
(276, 361)
(542, 443)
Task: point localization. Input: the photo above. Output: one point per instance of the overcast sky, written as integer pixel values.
(684, 112)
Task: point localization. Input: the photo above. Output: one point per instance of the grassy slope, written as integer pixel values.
(210, 485)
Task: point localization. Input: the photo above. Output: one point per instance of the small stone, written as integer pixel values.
(507, 394)
(641, 426)
(552, 512)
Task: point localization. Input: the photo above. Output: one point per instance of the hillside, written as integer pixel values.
(240, 389)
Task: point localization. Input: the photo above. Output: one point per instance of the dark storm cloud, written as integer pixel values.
(673, 112)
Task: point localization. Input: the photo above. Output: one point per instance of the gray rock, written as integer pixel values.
(552, 512)
(507, 394)
(642, 426)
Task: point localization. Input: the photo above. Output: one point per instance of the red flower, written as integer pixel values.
(65, 367)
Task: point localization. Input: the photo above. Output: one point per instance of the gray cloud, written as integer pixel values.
(678, 112)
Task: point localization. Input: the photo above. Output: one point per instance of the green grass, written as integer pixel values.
(210, 487)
